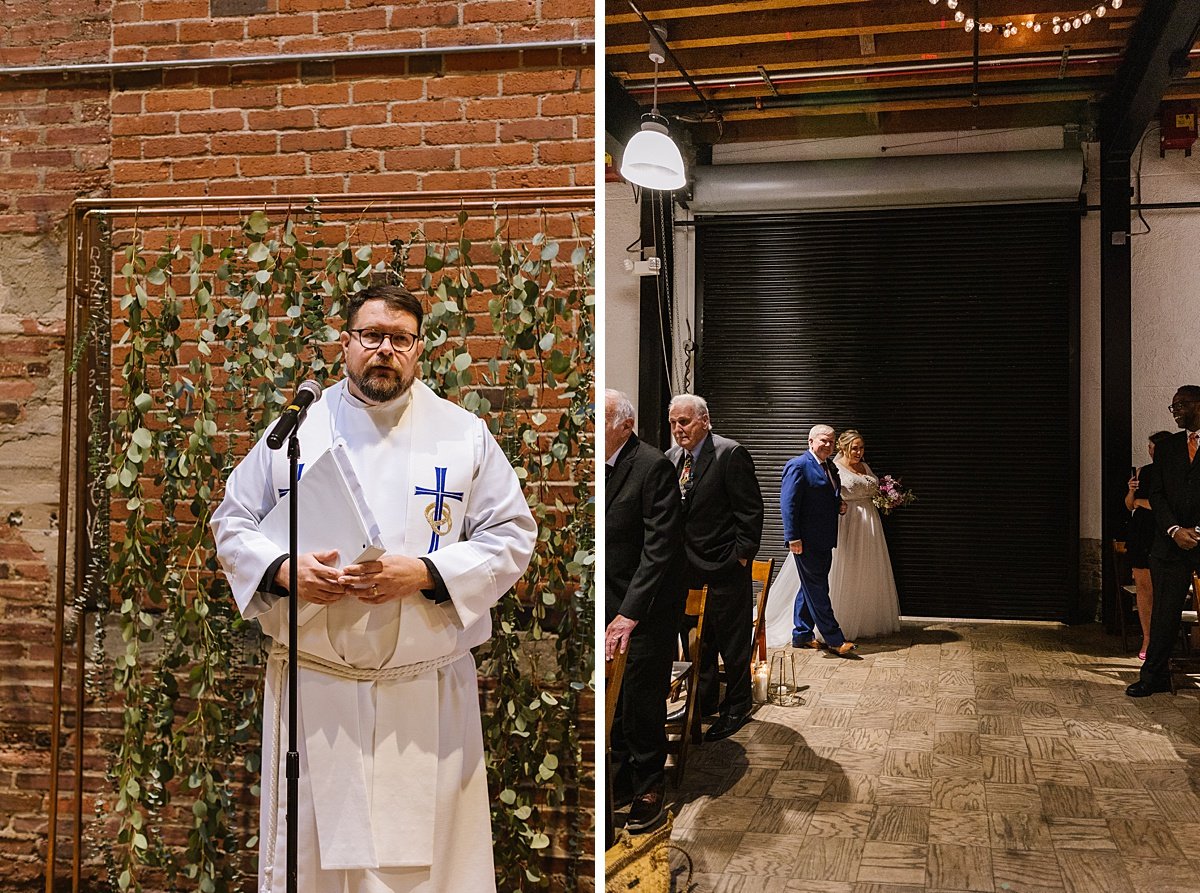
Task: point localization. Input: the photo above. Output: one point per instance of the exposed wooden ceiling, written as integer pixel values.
(789, 69)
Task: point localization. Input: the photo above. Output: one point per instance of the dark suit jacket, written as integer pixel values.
(1174, 496)
(642, 535)
(809, 502)
(723, 509)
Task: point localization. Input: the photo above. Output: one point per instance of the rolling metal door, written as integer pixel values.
(948, 336)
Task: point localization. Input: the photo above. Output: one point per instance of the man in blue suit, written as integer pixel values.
(811, 500)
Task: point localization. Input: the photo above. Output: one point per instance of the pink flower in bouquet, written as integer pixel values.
(892, 495)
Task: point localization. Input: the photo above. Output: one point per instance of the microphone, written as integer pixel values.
(307, 394)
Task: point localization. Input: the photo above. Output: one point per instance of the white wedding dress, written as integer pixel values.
(862, 588)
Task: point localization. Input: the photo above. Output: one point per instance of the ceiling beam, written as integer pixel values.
(805, 25)
(672, 10)
(845, 51)
(1163, 34)
(877, 98)
(807, 125)
(622, 114)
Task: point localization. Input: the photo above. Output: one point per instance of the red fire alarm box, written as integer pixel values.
(1177, 121)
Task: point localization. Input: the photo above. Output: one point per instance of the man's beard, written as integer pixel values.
(381, 389)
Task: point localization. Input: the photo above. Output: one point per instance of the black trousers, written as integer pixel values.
(639, 736)
(728, 634)
(1171, 580)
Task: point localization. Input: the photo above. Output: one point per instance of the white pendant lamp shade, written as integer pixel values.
(651, 159)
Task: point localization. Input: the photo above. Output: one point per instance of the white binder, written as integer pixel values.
(332, 512)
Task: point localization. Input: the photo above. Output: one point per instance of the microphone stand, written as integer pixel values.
(293, 754)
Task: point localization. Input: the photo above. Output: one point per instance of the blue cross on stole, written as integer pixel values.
(283, 491)
(437, 513)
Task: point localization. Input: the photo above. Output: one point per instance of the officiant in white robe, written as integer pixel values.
(393, 793)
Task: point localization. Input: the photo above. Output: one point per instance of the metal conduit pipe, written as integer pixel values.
(582, 43)
(887, 70)
(876, 93)
(360, 200)
(869, 71)
(556, 197)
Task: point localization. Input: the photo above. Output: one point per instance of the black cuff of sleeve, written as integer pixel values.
(439, 593)
(267, 584)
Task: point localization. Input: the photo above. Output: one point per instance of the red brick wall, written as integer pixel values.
(53, 130)
(54, 138)
(502, 119)
(446, 121)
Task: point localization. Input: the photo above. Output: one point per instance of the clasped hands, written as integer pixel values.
(319, 580)
(1186, 538)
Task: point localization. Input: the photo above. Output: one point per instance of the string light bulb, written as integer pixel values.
(1057, 24)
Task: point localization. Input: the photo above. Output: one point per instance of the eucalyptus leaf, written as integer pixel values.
(258, 223)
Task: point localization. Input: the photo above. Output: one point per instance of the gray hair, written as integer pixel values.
(693, 401)
(621, 404)
(816, 430)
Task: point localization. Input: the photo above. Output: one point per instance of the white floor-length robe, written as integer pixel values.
(393, 794)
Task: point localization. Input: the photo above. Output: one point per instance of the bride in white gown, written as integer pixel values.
(862, 588)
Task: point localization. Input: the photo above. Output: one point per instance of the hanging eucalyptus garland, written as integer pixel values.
(210, 338)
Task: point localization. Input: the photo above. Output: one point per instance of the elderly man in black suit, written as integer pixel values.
(1175, 499)
(723, 521)
(643, 601)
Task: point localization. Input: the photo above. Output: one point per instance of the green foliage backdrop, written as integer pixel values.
(217, 333)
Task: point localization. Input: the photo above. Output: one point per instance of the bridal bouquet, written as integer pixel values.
(892, 495)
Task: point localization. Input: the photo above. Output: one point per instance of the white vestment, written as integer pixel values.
(393, 793)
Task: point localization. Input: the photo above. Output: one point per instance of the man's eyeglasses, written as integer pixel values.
(372, 339)
(1180, 404)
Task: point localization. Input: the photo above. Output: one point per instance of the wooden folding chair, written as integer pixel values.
(614, 674)
(1187, 665)
(1126, 590)
(685, 678)
(760, 573)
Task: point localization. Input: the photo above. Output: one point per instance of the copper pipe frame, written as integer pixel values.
(82, 211)
(64, 478)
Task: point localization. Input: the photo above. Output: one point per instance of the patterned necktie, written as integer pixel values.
(1193, 442)
(685, 475)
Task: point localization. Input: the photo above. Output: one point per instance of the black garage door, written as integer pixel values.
(949, 338)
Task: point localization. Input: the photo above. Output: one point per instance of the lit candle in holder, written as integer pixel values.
(761, 679)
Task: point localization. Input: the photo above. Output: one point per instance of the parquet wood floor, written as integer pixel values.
(992, 758)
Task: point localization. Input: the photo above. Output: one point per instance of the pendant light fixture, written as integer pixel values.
(651, 159)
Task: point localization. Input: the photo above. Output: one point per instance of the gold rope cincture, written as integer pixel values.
(279, 658)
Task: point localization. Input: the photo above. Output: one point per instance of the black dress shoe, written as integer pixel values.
(678, 714)
(646, 811)
(725, 726)
(1143, 689)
